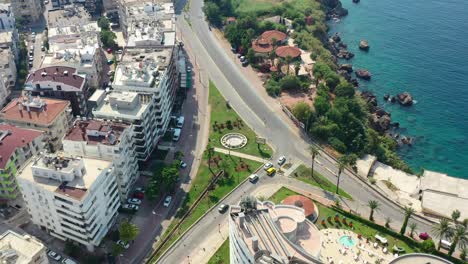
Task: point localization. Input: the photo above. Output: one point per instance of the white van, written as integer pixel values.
(253, 178)
(180, 122)
(445, 244)
(176, 135)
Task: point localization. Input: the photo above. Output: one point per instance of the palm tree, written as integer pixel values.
(288, 60)
(388, 220)
(412, 227)
(408, 212)
(374, 206)
(341, 167)
(440, 230)
(314, 152)
(463, 253)
(455, 215)
(465, 222)
(459, 237)
(128, 231)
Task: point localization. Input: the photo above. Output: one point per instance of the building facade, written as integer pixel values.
(7, 18)
(8, 69)
(60, 82)
(72, 198)
(17, 145)
(48, 115)
(28, 10)
(109, 141)
(23, 249)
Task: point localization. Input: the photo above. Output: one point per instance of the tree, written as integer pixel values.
(128, 231)
(272, 87)
(465, 222)
(297, 68)
(332, 80)
(301, 111)
(170, 176)
(290, 82)
(344, 89)
(412, 227)
(314, 152)
(288, 61)
(103, 23)
(440, 230)
(251, 55)
(374, 206)
(463, 253)
(213, 13)
(455, 215)
(428, 246)
(108, 38)
(459, 236)
(408, 212)
(388, 220)
(116, 249)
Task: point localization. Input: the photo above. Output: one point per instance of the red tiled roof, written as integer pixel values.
(273, 34)
(78, 131)
(57, 74)
(43, 116)
(285, 51)
(302, 202)
(257, 46)
(17, 138)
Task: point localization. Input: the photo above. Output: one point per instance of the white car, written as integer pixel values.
(167, 201)
(267, 166)
(131, 207)
(123, 244)
(54, 255)
(68, 261)
(109, 73)
(183, 165)
(281, 160)
(134, 201)
(140, 189)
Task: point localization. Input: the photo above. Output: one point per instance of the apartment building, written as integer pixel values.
(17, 145)
(262, 232)
(21, 249)
(48, 115)
(9, 41)
(8, 69)
(60, 82)
(28, 10)
(73, 198)
(134, 108)
(7, 18)
(107, 140)
(4, 91)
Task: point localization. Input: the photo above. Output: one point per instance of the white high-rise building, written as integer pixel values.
(72, 198)
(21, 249)
(110, 141)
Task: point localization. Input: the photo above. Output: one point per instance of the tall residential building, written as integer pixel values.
(60, 82)
(17, 145)
(7, 18)
(21, 249)
(9, 40)
(133, 108)
(49, 115)
(106, 140)
(72, 198)
(28, 10)
(262, 232)
(8, 68)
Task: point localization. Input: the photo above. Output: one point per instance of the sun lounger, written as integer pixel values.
(376, 245)
(385, 250)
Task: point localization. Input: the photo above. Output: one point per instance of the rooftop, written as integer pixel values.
(78, 54)
(11, 138)
(57, 74)
(96, 132)
(281, 232)
(285, 51)
(125, 105)
(443, 183)
(16, 248)
(68, 176)
(73, 32)
(41, 111)
(6, 37)
(269, 35)
(419, 258)
(302, 202)
(70, 15)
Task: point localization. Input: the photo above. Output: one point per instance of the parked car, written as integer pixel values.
(119, 51)
(176, 135)
(253, 178)
(140, 189)
(167, 201)
(123, 244)
(242, 58)
(109, 62)
(68, 261)
(281, 160)
(42, 48)
(183, 165)
(109, 50)
(267, 166)
(180, 122)
(222, 208)
(46, 2)
(109, 73)
(54, 255)
(271, 171)
(131, 207)
(138, 195)
(134, 201)
(245, 63)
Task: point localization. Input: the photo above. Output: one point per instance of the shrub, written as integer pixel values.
(290, 82)
(372, 180)
(337, 144)
(272, 88)
(428, 246)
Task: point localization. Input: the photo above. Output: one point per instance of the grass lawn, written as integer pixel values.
(204, 176)
(222, 255)
(220, 115)
(303, 174)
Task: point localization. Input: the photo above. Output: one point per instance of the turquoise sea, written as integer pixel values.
(419, 46)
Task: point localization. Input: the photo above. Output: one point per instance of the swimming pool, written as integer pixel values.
(347, 241)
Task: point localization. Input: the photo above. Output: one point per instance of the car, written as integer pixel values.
(33, 33)
(222, 208)
(167, 201)
(109, 50)
(180, 122)
(233, 49)
(131, 207)
(242, 58)
(109, 73)
(183, 165)
(176, 135)
(109, 62)
(138, 195)
(267, 166)
(134, 201)
(119, 51)
(54, 255)
(42, 48)
(123, 244)
(140, 189)
(68, 261)
(253, 178)
(245, 63)
(271, 171)
(239, 55)
(281, 160)
(46, 2)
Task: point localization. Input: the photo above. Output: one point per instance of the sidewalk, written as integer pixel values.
(241, 155)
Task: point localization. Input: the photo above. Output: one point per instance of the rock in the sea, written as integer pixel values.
(380, 123)
(346, 67)
(363, 74)
(344, 54)
(370, 98)
(386, 97)
(405, 99)
(334, 8)
(364, 45)
(354, 82)
(342, 45)
(356, 1)
(336, 38)
(407, 141)
(392, 99)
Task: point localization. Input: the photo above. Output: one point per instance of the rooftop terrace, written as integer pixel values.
(96, 132)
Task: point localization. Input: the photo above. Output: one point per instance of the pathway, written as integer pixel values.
(240, 155)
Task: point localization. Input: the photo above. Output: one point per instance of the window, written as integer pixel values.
(59, 87)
